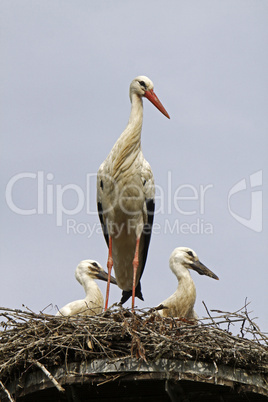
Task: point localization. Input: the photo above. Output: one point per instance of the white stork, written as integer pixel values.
(93, 303)
(125, 197)
(181, 303)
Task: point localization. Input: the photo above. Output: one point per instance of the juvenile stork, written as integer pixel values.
(125, 197)
(93, 303)
(181, 303)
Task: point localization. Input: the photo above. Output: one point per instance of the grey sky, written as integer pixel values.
(66, 67)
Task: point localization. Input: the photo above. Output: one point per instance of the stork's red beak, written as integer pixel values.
(155, 101)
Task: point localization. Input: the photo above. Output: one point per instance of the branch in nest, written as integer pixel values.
(6, 391)
(49, 375)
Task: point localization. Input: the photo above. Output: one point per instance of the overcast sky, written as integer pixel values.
(66, 67)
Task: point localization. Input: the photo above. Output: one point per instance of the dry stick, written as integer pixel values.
(243, 318)
(209, 314)
(235, 312)
(256, 328)
(7, 392)
(49, 375)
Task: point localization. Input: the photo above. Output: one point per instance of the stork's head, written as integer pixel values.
(143, 86)
(93, 270)
(187, 258)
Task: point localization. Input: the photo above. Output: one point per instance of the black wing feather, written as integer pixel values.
(103, 226)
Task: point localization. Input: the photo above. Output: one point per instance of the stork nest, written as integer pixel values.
(28, 339)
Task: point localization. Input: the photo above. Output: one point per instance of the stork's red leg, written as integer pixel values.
(109, 266)
(135, 268)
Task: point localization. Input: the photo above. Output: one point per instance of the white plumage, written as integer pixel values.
(92, 304)
(181, 303)
(125, 196)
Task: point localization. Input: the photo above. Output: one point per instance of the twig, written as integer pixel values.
(209, 313)
(7, 392)
(49, 375)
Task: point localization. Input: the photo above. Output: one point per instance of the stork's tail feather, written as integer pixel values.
(126, 294)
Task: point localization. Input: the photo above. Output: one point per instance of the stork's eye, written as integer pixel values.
(190, 253)
(95, 264)
(142, 83)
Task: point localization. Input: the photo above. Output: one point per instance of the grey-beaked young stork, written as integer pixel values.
(125, 197)
(181, 303)
(93, 303)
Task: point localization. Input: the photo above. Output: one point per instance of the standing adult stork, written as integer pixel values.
(181, 302)
(125, 197)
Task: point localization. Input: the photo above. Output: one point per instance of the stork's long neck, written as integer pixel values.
(89, 286)
(186, 291)
(128, 145)
(133, 129)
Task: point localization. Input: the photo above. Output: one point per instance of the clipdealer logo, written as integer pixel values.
(49, 198)
(254, 222)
